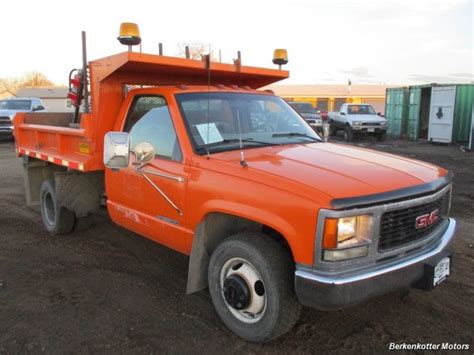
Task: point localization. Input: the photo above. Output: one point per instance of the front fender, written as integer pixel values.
(251, 213)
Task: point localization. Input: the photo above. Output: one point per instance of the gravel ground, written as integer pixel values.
(107, 290)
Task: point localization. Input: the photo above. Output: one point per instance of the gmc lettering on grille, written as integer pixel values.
(427, 220)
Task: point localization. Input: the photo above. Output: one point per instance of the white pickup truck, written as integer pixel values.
(357, 118)
(10, 107)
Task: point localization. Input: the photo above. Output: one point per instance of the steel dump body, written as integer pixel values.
(52, 138)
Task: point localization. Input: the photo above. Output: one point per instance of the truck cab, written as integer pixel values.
(271, 216)
(358, 119)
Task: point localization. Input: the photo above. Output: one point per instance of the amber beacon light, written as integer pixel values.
(129, 34)
(280, 57)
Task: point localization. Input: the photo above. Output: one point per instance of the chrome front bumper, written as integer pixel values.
(6, 130)
(329, 291)
(366, 128)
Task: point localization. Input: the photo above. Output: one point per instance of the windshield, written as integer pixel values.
(214, 121)
(15, 104)
(303, 107)
(360, 110)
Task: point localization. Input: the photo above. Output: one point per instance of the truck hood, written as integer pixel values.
(330, 171)
(366, 118)
(311, 116)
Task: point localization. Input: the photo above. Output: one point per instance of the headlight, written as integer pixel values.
(347, 237)
(356, 123)
(383, 123)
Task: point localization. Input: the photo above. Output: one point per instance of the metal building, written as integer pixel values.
(331, 97)
(436, 112)
(54, 97)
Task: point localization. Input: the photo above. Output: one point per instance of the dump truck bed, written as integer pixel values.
(51, 137)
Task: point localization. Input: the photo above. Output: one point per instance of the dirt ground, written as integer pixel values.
(107, 290)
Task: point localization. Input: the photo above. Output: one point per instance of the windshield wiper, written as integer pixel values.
(206, 147)
(296, 134)
(237, 140)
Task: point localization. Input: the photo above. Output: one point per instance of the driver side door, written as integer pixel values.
(149, 199)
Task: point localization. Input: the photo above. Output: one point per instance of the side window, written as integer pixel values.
(149, 121)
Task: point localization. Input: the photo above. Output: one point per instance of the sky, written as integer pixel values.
(328, 42)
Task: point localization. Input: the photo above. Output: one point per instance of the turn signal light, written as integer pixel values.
(330, 233)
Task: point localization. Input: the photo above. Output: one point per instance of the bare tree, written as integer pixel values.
(29, 79)
(196, 50)
(9, 84)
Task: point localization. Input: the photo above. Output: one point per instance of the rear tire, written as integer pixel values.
(333, 130)
(381, 136)
(348, 134)
(56, 219)
(251, 283)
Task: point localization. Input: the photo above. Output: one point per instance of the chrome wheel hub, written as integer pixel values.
(243, 290)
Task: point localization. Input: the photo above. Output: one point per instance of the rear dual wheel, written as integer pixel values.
(251, 283)
(56, 219)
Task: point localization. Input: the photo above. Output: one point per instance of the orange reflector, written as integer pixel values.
(330, 233)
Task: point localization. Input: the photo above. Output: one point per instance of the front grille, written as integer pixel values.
(370, 123)
(5, 121)
(398, 227)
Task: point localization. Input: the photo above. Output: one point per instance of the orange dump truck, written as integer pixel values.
(191, 155)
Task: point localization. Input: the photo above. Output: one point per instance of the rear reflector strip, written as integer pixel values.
(51, 159)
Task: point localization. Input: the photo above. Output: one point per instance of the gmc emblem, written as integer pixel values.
(427, 220)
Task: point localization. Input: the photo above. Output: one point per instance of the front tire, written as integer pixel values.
(251, 283)
(348, 134)
(56, 219)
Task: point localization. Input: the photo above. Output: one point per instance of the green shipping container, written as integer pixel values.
(463, 112)
(396, 111)
(413, 112)
(412, 117)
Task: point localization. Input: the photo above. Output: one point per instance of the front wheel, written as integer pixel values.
(251, 283)
(348, 134)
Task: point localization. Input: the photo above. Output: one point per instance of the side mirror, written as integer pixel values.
(38, 108)
(379, 113)
(144, 153)
(116, 150)
(343, 113)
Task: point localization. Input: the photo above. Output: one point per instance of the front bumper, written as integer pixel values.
(370, 129)
(329, 291)
(6, 131)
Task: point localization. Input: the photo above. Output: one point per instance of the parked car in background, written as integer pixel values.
(357, 119)
(323, 113)
(10, 107)
(308, 112)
